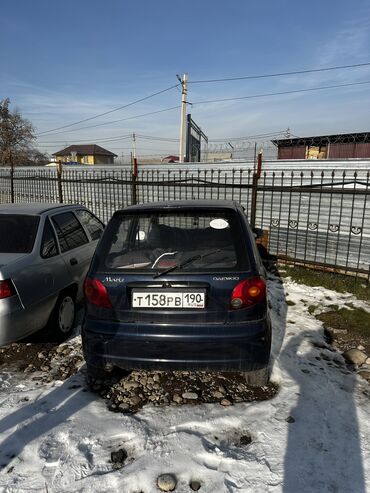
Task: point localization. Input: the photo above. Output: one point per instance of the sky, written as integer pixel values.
(63, 62)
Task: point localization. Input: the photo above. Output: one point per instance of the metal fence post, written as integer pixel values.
(12, 184)
(59, 178)
(134, 184)
(255, 178)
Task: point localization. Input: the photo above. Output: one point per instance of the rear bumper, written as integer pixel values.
(242, 347)
(17, 322)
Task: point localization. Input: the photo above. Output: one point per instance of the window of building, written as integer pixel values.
(316, 152)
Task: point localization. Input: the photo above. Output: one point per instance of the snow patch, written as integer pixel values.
(314, 435)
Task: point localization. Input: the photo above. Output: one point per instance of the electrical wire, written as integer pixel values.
(248, 137)
(110, 111)
(162, 139)
(261, 76)
(120, 120)
(125, 148)
(116, 138)
(281, 74)
(281, 93)
(106, 139)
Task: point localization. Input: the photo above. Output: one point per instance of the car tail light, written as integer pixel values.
(96, 293)
(6, 289)
(248, 293)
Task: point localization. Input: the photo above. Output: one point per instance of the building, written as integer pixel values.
(214, 157)
(340, 146)
(170, 159)
(85, 154)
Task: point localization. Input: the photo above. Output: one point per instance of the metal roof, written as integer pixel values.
(85, 149)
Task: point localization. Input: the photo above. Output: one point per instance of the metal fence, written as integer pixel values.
(318, 218)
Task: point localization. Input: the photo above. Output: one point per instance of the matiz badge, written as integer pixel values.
(114, 279)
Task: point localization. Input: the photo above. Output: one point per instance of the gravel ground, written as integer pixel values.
(44, 363)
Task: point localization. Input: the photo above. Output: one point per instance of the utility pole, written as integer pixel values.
(134, 145)
(184, 93)
(134, 154)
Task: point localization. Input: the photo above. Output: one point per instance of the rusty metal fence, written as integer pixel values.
(316, 218)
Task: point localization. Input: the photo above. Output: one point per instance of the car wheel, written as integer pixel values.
(96, 373)
(62, 319)
(257, 378)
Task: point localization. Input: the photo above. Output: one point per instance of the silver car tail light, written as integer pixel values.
(6, 289)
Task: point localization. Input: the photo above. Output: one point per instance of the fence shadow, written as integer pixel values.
(323, 450)
(278, 306)
(39, 417)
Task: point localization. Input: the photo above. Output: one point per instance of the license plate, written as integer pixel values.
(168, 299)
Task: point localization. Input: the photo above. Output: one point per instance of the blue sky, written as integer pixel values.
(69, 60)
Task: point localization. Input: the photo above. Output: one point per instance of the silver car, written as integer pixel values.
(45, 252)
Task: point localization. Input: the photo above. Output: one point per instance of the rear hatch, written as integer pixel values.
(174, 300)
(173, 267)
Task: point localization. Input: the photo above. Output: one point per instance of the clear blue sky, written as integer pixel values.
(68, 60)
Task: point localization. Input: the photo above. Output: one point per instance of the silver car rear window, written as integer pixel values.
(17, 233)
(158, 241)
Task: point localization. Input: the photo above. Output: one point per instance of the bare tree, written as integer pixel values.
(34, 157)
(16, 135)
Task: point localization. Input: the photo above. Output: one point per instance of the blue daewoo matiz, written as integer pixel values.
(178, 285)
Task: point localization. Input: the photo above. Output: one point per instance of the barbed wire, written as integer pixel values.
(294, 147)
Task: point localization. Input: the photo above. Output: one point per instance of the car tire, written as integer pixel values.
(257, 378)
(96, 373)
(62, 318)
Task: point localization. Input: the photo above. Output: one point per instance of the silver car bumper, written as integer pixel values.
(16, 322)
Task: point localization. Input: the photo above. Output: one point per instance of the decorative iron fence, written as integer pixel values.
(308, 217)
(321, 219)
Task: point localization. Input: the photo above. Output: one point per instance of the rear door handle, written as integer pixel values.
(73, 261)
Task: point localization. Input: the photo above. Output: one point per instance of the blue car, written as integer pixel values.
(178, 285)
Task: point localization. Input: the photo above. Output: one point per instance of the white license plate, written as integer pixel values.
(168, 299)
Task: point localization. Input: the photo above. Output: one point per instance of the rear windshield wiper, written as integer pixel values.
(186, 262)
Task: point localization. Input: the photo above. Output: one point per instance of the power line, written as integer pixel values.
(124, 148)
(120, 137)
(111, 111)
(120, 120)
(115, 138)
(107, 139)
(249, 137)
(281, 74)
(280, 93)
(164, 139)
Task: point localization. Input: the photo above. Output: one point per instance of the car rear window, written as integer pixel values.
(17, 233)
(207, 242)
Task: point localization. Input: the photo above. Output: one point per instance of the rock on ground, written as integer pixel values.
(355, 356)
(166, 482)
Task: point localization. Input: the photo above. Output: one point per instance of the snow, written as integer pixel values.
(58, 437)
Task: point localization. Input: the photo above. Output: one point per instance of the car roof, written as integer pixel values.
(183, 204)
(34, 209)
